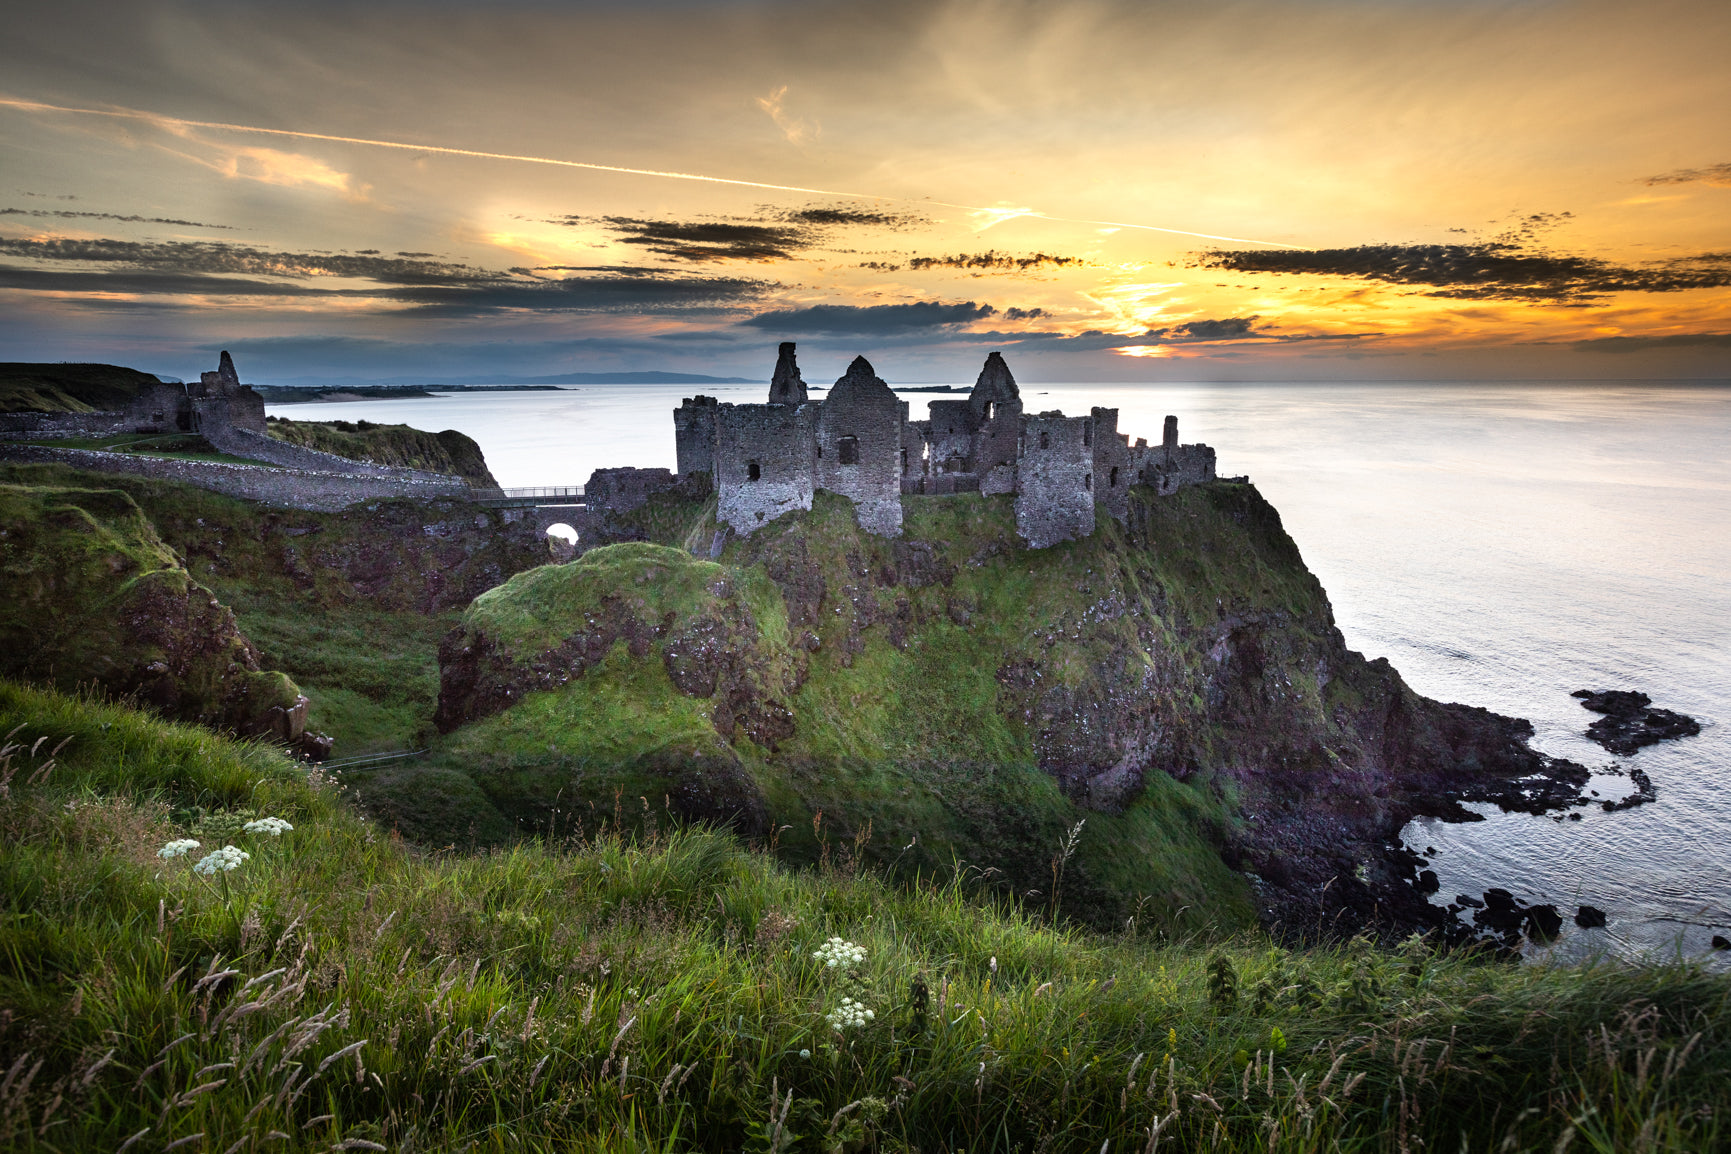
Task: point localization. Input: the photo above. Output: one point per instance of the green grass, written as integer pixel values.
(653, 992)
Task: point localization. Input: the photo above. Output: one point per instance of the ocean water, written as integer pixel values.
(1501, 544)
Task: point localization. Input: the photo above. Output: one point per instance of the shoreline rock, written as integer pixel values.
(1630, 723)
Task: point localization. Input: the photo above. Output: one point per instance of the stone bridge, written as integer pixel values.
(546, 506)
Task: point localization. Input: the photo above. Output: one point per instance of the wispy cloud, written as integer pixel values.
(797, 130)
(1719, 174)
(64, 214)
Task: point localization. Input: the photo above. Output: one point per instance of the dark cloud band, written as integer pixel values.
(1492, 271)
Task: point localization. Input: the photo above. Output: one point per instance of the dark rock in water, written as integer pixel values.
(1720, 942)
(1501, 912)
(1589, 917)
(1630, 722)
(1427, 882)
(1544, 923)
(1644, 793)
(1469, 902)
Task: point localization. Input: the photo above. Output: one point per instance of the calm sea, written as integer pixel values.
(1501, 544)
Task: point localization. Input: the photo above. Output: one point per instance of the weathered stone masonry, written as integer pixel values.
(766, 460)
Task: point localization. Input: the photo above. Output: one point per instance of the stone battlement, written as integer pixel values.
(767, 460)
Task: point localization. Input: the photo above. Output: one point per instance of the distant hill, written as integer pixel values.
(68, 387)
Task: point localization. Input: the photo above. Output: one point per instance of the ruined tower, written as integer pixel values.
(859, 444)
(786, 387)
(997, 407)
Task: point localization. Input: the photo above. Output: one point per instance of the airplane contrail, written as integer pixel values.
(156, 118)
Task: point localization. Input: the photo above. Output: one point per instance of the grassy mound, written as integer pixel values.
(93, 595)
(339, 989)
(448, 452)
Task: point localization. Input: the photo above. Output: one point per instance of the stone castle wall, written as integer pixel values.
(694, 435)
(765, 462)
(1114, 464)
(859, 443)
(1054, 495)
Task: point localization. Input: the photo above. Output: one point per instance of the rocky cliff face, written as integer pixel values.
(1176, 683)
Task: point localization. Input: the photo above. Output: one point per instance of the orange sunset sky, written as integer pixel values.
(1279, 189)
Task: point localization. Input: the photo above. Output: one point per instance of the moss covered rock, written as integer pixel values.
(94, 597)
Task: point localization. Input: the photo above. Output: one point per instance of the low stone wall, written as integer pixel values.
(285, 488)
(46, 426)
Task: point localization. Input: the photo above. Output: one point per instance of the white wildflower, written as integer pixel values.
(849, 1015)
(275, 826)
(839, 954)
(224, 859)
(805, 1053)
(177, 848)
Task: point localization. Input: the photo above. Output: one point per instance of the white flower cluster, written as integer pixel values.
(839, 954)
(177, 848)
(275, 826)
(224, 859)
(849, 1015)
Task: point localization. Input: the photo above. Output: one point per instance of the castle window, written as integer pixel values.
(1088, 481)
(1113, 479)
(988, 413)
(156, 416)
(904, 460)
(848, 447)
(752, 472)
(1045, 440)
(820, 452)
(1087, 433)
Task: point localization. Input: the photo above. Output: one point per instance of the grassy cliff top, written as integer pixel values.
(449, 452)
(341, 989)
(68, 388)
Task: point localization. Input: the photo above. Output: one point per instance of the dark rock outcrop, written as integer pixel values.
(1630, 722)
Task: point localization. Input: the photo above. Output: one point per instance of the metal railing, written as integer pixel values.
(534, 495)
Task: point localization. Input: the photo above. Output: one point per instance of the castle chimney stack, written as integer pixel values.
(1169, 442)
(786, 387)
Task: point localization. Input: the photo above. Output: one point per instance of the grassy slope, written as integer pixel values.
(629, 995)
(68, 388)
(93, 595)
(913, 740)
(367, 660)
(447, 452)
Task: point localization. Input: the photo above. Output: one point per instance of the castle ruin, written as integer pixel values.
(766, 460)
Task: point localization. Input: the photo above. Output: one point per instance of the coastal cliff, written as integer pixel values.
(1176, 684)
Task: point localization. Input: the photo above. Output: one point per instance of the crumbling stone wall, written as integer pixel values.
(163, 408)
(1055, 498)
(1173, 466)
(765, 462)
(859, 447)
(913, 455)
(1114, 471)
(49, 426)
(694, 435)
